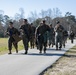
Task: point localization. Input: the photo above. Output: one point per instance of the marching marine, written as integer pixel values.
(26, 31)
(41, 36)
(58, 35)
(11, 31)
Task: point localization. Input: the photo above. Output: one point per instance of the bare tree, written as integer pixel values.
(56, 12)
(49, 13)
(43, 14)
(33, 16)
(22, 13)
(17, 16)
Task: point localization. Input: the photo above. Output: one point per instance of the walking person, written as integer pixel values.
(72, 36)
(65, 35)
(58, 35)
(11, 31)
(41, 36)
(32, 38)
(51, 36)
(26, 32)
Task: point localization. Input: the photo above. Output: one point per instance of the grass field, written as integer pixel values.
(4, 46)
(66, 65)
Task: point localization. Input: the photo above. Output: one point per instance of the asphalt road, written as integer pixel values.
(31, 64)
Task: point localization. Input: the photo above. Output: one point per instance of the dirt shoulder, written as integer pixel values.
(66, 65)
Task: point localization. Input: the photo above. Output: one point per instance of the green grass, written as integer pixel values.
(4, 46)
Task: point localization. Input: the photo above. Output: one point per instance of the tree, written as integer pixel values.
(48, 19)
(22, 13)
(1, 23)
(1, 16)
(71, 20)
(56, 12)
(49, 13)
(67, 14)
(17, 16)
(33, 16)
(43, 14)
(37, 22)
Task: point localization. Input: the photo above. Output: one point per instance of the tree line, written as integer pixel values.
(51, 16)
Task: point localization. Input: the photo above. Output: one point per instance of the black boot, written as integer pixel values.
(16, 51)
(10, 52)
(26, 52)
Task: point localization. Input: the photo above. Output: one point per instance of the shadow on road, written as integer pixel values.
(49, 52)
(37, 54)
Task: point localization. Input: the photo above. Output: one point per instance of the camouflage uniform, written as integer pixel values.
(11, 40)
(72, 36)
(58, 35)
(26, 29)
(32, 38)
(41, 36)
(51, 37)
(65, 35)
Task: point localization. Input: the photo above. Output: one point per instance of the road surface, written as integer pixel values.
(31, 64)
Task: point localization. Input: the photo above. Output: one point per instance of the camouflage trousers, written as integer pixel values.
(10, 42)
(58, 39)
(32, 41)
(25, 40)
(42, 42)
(51, 40)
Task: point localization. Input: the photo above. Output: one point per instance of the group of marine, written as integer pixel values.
(41, 36)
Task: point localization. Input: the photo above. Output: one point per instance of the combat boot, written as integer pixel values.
(26, 52)
(10, 52)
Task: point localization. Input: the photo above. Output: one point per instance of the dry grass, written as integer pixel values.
(4, 46)
(66, 65)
